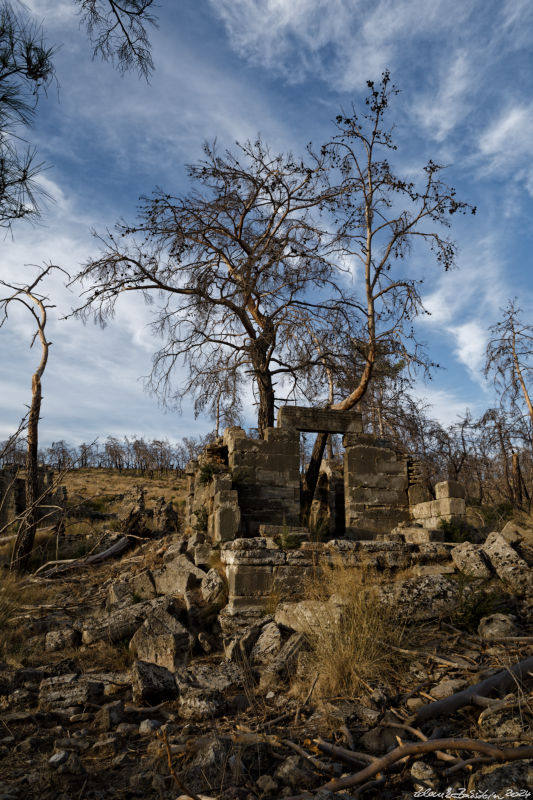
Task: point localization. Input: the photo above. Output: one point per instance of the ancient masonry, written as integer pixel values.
(244, 497)
(13, 492)
(240, 484)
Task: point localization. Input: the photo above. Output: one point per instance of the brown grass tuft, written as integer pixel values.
(351, 635)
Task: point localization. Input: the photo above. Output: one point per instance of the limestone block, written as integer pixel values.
(226, 522)
(201, 704)
(424, 597)
(214, 588)
(468, 558)
(418, 535)
(284, 664)
(233, 435)
(151, 684)
(454, 506)
(117, 625)
(267, 645)
(319, 420)
(418, 494)
(307, 616)
(249, 580)
(72, 689)
(178, 576)
(283, 437)
(508, 565)
(446, 489)
(422, 510)
(61, 639)
(162, 640)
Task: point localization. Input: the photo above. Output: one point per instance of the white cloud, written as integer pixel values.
(506, 147)
(470, 343)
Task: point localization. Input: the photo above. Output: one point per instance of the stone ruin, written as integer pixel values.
(239, 485)
(244, 500)
(13, 492)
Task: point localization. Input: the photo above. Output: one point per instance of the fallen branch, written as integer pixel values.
(503, 680)
(380, 764)
(61, 565)
(181, 786)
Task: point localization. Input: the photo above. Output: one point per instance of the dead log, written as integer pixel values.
(418, 748)
(504, 680)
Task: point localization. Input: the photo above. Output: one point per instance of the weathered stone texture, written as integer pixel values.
(508, 565)
(318, 420)
(469, 559)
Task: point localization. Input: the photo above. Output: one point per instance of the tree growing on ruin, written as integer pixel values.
(242, 266)
(381, 216)
(37, 305)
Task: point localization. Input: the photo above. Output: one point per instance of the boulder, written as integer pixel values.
(152, 684)
(61, 639)
(117, 625)
(201, 704)
(214, 588)
(178, 576)
(267, 645)
(469, 559)
(63, 691)
(165, 518)
(508, 565)
(424, 597)
(162, 640)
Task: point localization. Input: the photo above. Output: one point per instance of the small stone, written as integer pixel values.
(497, 626)
(448, 687)
(61, 639)
(152, 684)
(266, 784)
(58, 758)
(424, 776)
(149, 726)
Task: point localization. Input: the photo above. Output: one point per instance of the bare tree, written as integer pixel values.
(118, 31)
(240, 265)
(509, 360)
(381, 217)
(37, 305)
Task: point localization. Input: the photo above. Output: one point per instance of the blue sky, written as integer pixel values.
(230, 69)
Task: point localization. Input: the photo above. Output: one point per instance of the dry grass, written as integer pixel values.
(351, 636)
(17, 595)
(94, 483)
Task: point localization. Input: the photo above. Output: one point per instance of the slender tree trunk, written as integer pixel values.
(265, 416)
(313, 470)
(26, 535)
(517, 480)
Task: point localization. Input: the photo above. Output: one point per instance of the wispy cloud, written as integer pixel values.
(506, 146)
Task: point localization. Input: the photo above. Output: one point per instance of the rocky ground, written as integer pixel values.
(128, 678)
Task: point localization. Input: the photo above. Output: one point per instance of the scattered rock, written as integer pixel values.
(469, 559)
(201, 704)
(61, 639)
(508, 565)
(496, 626)
(152, 684)
(165, 518)
(64, 691)
(149, 726)
(162, 640)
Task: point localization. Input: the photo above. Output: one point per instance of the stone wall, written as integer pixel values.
(375, 487)
(448, 505)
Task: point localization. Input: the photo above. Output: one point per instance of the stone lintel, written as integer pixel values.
(319, 420)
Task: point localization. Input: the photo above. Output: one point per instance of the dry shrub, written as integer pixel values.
(351, 635)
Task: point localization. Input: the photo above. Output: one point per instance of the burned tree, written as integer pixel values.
(381, 216)
(242, 266)
(37, 305)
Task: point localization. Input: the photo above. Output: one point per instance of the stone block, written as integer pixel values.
(454, 506)
(249, 580)
(422, 510)
(226, 522)
(419, 535)
(418, 494)
(162, 640)
(151, 684)
(63, 691)
(319, 420)
(469, 559)
(446, 489)
(508, 565)
(178, 576)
